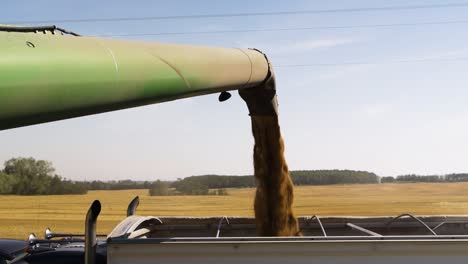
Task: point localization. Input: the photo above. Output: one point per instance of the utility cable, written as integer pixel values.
(245, 14)
(286, 29)
(429, 60)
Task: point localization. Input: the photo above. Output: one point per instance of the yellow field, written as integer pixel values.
(20, 215)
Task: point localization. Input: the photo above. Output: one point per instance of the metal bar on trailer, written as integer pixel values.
(444, 223)
(420, 238)
(220, 224)
(412, 217)
(319, 222)
(362, 229)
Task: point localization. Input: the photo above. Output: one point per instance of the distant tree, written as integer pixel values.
(306, 177)
(56, 185)
(420, 178)
(191, 187)
(222, 191)
(387, 179)
(28, 166)
(326, 177)
(147, 185)
(117, 185)
(32, 176)
(7, 182)
(159, 188)
(27, 176)
(217, 181)
(457, 177)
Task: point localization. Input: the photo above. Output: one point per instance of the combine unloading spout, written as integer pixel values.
(46, 76)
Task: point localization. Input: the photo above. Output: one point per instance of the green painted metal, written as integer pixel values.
(46, 77)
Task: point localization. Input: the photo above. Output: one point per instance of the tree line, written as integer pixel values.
(161, 188)
(27, 176)
(454, 177)
(201, 185)
(303, 177)
(117, 185)
(327, 177)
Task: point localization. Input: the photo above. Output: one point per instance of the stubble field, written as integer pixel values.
(21, 215)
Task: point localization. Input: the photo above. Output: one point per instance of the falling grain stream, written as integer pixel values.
(275, 191)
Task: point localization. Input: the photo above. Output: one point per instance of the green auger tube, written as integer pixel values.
(46, 75)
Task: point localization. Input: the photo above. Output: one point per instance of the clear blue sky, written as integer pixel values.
(389, 118)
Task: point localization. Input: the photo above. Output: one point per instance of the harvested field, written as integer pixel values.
(20, 215)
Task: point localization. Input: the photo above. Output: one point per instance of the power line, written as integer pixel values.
(285, 29)
(246, 14)
(431, 60)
